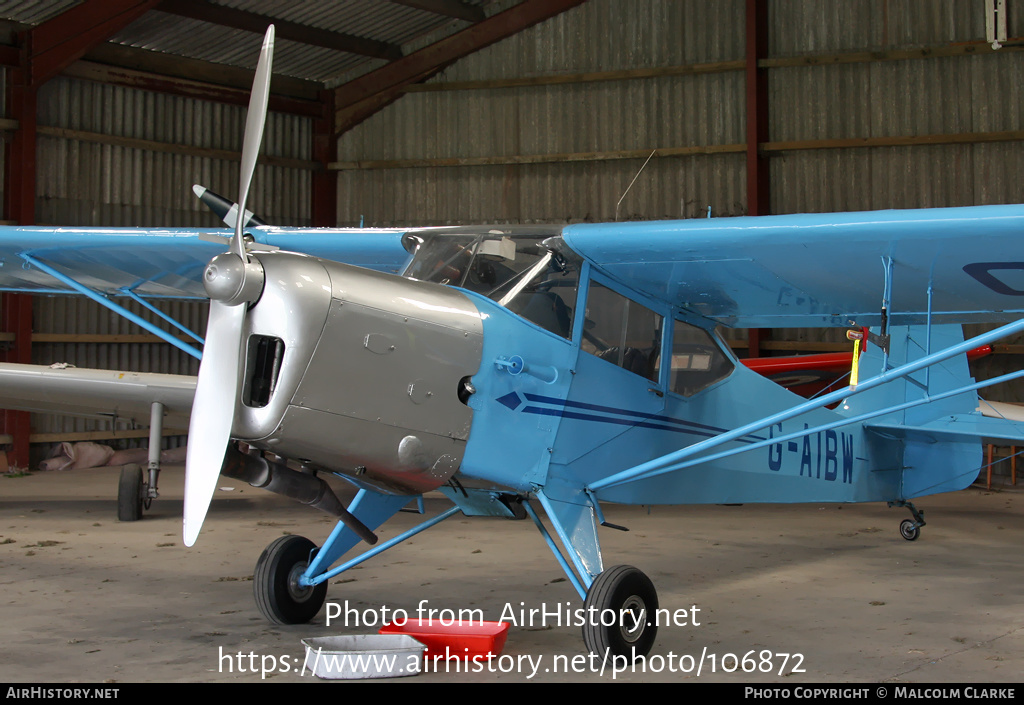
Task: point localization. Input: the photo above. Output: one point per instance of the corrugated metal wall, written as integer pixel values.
(88, 183)
(849, 100)
(671, 111)
(948, 95)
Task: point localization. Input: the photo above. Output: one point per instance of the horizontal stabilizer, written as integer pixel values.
(960, 426)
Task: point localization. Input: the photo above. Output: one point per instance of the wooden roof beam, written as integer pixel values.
(448, 8)
(62, 40)
(174, 67)
(362, 97)
(230, 87)
(303, 34)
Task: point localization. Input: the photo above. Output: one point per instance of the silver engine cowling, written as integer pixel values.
(359, 373)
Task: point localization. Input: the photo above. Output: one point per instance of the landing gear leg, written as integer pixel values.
(624, 596)
(279, 596)
(133, 493)
(910, 529)
(156, 432)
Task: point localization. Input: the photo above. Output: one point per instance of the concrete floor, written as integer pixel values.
(89, 599)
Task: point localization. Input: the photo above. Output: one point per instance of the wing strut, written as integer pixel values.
(116, 308)
(674, 461)
(145, 304)
(846, 421)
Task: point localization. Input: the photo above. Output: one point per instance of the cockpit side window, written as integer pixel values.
(697, 360)
(622, 332)
(548, 297)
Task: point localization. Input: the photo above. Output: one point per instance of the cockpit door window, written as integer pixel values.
(697, 360)
(622, 332)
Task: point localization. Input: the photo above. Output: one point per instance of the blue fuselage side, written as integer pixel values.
(565, 419)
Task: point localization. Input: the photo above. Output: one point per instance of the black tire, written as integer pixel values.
(131, 494)
(278, 596)
(620, 594)
(909, 530)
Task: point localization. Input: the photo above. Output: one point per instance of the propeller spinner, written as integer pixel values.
(232, 280)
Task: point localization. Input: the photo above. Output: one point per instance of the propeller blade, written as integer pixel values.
(231, 280)
(254, 122)
(213, 412)
(225, 209)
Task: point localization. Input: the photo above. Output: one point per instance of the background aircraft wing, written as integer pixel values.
(816, 270)
(166, 263)
(96, 393)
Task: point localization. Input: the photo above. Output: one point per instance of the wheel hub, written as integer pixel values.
(633, 618)
(296, 590)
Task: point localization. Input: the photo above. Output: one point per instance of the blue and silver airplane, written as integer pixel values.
(520, 368)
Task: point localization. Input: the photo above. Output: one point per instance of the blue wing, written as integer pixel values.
(815, 270)
(166, 263)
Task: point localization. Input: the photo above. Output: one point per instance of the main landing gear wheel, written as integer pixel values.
(279, 596)
(620, 609)
(909, 530)
(131, 494)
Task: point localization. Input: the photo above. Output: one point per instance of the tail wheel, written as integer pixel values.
(131, 494)
(621, 609)
(909, 530)
(279, 596)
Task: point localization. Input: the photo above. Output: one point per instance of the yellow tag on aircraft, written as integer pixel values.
(856, 336)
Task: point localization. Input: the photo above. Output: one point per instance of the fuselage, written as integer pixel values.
(503, 362)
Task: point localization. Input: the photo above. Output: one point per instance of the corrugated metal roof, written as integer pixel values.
(386, 22)
(34, 12)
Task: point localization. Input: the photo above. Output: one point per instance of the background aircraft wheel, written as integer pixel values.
(627, 594)
(276, 582)
(131, 494)
(909, 530)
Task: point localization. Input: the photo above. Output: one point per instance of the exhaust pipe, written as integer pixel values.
(302, 487)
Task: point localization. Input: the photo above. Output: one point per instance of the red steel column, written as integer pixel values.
(325, 150)
(758, 190)
(20, 206)
(17, 319)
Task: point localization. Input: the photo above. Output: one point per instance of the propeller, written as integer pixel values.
(225, 209)
(232, 280)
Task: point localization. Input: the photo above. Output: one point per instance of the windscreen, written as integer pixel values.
(518, 272)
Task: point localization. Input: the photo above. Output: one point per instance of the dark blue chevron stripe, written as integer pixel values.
(513, 401)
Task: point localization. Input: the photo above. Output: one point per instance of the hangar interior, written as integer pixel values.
(449, 112)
